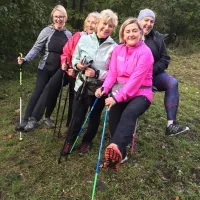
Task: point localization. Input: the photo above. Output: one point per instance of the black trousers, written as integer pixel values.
(48, 98)
(43, 77)
(79, 111)
(122, 120)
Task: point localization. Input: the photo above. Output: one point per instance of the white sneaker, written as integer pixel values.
(124, 160)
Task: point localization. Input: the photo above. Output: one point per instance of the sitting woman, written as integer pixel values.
(162, 80)
(97, 48)
(130, 81)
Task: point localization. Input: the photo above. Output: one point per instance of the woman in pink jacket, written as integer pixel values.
(69, 48)
(66, 57)
(130, 82)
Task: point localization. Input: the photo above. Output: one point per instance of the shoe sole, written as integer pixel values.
(104, 164)
(187, 129)
(32, 129)
(50, 127)
(21, 129)
(113, 158)
(29, 130)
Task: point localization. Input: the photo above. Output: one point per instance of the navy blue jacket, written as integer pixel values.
(155, 41)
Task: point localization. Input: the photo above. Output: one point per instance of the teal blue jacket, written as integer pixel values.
(88, 46)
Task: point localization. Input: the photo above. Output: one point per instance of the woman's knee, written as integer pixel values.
(173, 83)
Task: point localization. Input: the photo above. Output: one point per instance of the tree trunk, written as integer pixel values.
(64, 3)
(81, 6)
(73, 4)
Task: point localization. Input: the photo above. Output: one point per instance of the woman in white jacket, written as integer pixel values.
(91, 59)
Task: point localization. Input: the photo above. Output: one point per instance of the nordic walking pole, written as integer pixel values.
(134, 138)
(20, 99)
(58, 135)
(63, 77)
(99, 156)
(76, 110)
(95, 102)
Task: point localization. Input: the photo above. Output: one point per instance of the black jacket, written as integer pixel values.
(155, 41)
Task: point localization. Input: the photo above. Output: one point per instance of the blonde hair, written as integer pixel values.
(93, 14)
(107, 15)
(61, 9)
(130, 20)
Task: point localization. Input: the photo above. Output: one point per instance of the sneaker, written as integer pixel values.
(85, 146)
(124, 159)
(66, 149)
(32, 124)
(49, 122)
(175, 129)
(113, 157)
(124, 156)
(104, 164)
(20, 127)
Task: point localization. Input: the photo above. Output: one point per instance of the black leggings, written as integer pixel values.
(79, 112)
(43, 77)
(50, 94)
(122, 120)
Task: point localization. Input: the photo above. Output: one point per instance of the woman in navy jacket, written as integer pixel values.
(162, 80)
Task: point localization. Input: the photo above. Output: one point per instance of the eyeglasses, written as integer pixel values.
(58, 17)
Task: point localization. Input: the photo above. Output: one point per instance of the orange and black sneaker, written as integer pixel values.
(113, 157)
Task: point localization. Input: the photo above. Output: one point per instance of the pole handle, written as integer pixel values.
(20, 54)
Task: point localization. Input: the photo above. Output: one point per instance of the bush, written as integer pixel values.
(20, 24)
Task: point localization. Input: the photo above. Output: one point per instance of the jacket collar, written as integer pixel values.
(53, 27)
(108, 40)
(140, 43)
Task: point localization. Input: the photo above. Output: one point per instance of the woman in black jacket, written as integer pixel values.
(162, 80)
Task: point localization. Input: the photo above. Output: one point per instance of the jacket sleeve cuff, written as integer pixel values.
(114, 98)
(118, 98)
(75, 67)
(105, 89)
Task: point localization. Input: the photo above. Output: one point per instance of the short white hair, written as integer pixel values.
(108, 15)
(93, 14)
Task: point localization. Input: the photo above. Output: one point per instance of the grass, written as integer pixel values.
(160, 169)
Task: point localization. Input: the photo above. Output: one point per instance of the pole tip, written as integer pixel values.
(20, 138)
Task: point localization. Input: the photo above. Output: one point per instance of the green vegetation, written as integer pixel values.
(160, 169)
(21, 21)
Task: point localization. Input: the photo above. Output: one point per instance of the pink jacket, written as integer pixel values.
(69, 48)
(131, 66)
